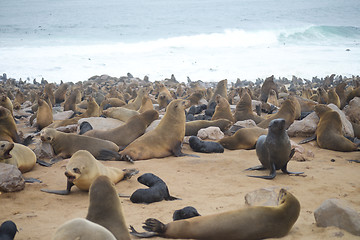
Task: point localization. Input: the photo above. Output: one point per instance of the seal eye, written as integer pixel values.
(48, 138)
(2, 145)
(76, 170)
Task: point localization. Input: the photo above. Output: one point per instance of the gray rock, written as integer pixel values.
(68, 128)
(11, 179)
(62, 115)
(263, 197)
(352, 110)
(153, 125)
(334, 212)
(347, 127)
(305, 127)
(99, 123)
(43, 150)
(246, 123)
(213, 133)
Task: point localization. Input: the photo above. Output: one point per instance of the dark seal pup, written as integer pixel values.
(274, 150)
(185, 213)
(156, 192)
(8, 230)
(199, 145)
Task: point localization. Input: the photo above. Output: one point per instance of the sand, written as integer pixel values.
(212, 183)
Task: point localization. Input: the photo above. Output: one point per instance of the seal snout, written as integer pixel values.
(70, 176)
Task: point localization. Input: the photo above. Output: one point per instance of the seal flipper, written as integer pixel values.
(142, 234)
(178, 153)
(56, 159)
(259, 167)
(32, 180)
(154, 225)
(60, 192)
(43, 163)
(309, 139)
(109, 155)
(272, 173)
(356, 161)
(284, 170)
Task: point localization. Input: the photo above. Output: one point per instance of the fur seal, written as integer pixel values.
(60, 93)
(80, 228)
(268, 85)
(222, 109)
(82, 170)
(44, 116)
(329, 131)
(128, 132)
(146, 104)
(244, 138)
(120, 113)
(66, 144)
(243, 110)
(221, 89)
(6, 103)
(136, 104)
(72, 100)
(198, 145)
(165, 140)
(156, 192)
(18, 155)
(333, 97)
(192, 128)
(274, 150)
(257, 222)
(287, 111)
(105, 208)
(8, 230)
(8, 129)
(185, 213)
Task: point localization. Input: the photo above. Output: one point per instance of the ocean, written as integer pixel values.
(208, 40)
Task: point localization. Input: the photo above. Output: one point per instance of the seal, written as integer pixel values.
(80, 228)
(222, 109)
(221, 89)
(82, 170)
(136, 104)
(66, 144)
(8, 230)
(156, 192)
(18, 155)
(333, 97)
(323, 97)
(185, 213)
(243, 110)
(8, 129)
(105, 208)
(287, 112)
(269, 222)
(198, 145)
(128, 132)
(268, 85)
(192, 128)
(48, 93)
(146, 104)
(165, 140)
(60, 93)
(72, 100)
(6, 103)
(274, 150)
(244, 138)
(44, 116)
(120, 113)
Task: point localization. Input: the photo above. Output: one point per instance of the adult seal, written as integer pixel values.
(18, 155)
(258, 222)
(274, 150)
(199, 145)
(156, 192)
(82, 170)
(287, 112)
(244, 138)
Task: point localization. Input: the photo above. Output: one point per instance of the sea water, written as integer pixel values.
(209, 40)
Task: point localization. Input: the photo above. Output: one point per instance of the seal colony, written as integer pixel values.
(164, 137)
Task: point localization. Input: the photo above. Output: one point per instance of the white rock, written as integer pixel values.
(263, 197)
(213, 133)
(352, 110)
(11, 179)
(246, 123)
(305, 127)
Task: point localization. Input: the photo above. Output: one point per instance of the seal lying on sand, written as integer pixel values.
(8, 230)
(185, 213)
(257, 222)
(156, 192)
(199, 145)
(274, 150)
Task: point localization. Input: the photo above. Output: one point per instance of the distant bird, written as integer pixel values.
(8, 230)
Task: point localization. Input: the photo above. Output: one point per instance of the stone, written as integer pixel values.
(263, 197)
(63, 115)
(347, 128)
(352, 110)
(246, 123)
(11, 179)
(333, 212)
(100, 123)
(43, 150)
(255, 103)
(153, 125)
(305, 127)
(212, 133)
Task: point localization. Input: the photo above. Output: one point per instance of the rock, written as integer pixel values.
(246, 124)
(334, 212)
(213, 133)
(63, 115)
(352, 110)
(43, 150)
(255, 103)
(68, 128)
(99, 123)
(305, 127)
(263, 197)
(347, 128)
(11, 179)
(153, 125)
(301, 154)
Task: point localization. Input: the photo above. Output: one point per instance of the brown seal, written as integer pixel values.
(165, 140)
(329, 131)
(244, 138)
(80, 228)
(221, 89)
(66, 144)
(333, 98)
(128, 132)
(222, 109)
(257, 222)
(72, 100)
(340, 91)
(60, 93)
(18, 155)
(287, 111)
(243, 110)
(146, 104)
(8, 129)
(323, 97)
(354, 93)
(120, 113)
(48, 93)
(6, 103)
(82, 170)
(266, 87)
(192, 128)
(44, 116)
(105, 208)
(136, 104)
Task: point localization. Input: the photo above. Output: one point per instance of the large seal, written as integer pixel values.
(198, 145)
(105, 208)
(274, 150)
(136, 104)
(18, 155)
(165, 140)
(120, 113)
(268, 85)
(8, 129)
(222, 109)
(128, 132)
(221, 89)
(8, 230)
(6, 103)
(72, 100)
(258, 222)
(244, 138)
(66, 144)
(329, 131)
(60, 93)
(80, 228)
(82, 170)
(156, 192)
(243, 110)
(192, 128)
(44, 116)
(287, 111)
